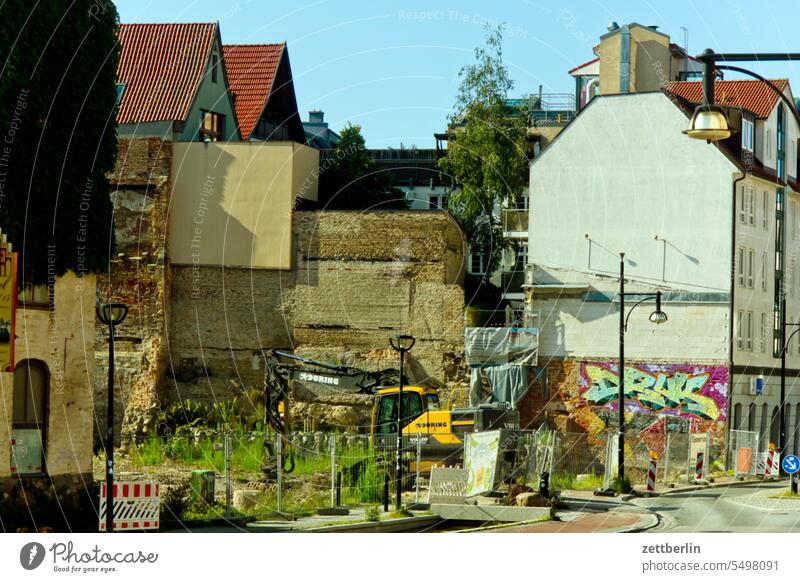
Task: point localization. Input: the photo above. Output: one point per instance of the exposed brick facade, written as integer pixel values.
(199, 332)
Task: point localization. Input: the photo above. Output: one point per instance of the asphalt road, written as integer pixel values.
(744, 508)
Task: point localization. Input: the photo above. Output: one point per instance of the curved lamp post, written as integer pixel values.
(710, 123)
(657, 317)
(401, 343)
(110, 314)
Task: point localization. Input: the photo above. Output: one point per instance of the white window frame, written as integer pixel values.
(482, 260)
(740, 266)
(764, 260)
(750, 268)
(748, 338)
(748, 131)
(765, 205)
(763, 335)
(739, 329)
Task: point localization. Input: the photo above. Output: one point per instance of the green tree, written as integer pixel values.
(57, 133)
(349, 179)
(487, 151)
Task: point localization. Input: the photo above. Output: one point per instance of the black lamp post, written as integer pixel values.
(710, 123)
(110, 314)
(657, 317)
(401, 343)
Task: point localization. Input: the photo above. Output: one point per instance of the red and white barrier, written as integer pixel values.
(770, 462)
(651, 474)
(136, 506)
(699, 467)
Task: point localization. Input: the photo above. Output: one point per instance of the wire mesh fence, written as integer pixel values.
(226, 474)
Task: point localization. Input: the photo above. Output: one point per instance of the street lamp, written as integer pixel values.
(110, 314)
(401, 343)
(657, 317)
(707, 124)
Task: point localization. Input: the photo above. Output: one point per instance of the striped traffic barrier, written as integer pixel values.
(651, 472)
(770, 460)
(699, 468)
(136, 505)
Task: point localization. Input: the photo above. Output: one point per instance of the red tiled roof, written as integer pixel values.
(583, 65)
(754, 96)
(161, 66)
(251, 72)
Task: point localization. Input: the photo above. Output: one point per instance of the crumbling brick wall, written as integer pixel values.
(357, 278)
(140, 192)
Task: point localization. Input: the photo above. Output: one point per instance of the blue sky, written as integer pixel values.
(392, 66)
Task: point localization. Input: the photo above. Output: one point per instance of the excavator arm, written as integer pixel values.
(283, 369)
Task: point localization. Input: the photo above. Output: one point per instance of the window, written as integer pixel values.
(762, 335)
(774, 429)
(750, 267)
(740, 329)
(479, 261)
(748, 329)
(765, 213)
(751, 417)
(768, 144)
(214, 64)
(35, 295)
(212, 126)
(747, 209)
(737, 416)
(740, 265)
(29, 416)
(747, 134)
(763, 423)
(437, 202)
(764, 271)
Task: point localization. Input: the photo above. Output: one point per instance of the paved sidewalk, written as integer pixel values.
(610, 522)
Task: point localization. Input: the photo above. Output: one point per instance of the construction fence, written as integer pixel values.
(226, 474)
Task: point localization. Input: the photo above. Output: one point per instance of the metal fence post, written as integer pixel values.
(279, 447)
(416, 477)
(332, 446)
(227, 475)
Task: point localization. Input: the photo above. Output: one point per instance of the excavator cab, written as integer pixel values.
(416, 400)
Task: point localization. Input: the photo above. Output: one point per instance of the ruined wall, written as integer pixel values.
(357, 278)
(138, 278)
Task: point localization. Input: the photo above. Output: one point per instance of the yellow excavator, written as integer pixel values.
(438, 431)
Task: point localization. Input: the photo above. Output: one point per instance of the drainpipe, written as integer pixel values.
(729, 405)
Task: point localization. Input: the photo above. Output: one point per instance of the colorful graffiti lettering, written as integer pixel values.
(683, 390)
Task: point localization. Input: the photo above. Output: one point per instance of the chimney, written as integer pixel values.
(316, 116)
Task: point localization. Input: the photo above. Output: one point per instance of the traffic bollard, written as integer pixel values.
(544, 484)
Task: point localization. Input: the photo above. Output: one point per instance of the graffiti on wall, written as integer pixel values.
(688, 391)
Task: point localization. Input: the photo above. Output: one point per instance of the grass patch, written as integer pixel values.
(786, 495)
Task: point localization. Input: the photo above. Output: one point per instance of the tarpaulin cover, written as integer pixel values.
(501, 345)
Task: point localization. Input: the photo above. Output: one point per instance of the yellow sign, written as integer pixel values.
(8, 305)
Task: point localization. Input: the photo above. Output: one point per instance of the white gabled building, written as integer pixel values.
(696, 221)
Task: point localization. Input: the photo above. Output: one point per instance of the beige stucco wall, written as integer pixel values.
(231, 203)
(649, 61)
(62, 338)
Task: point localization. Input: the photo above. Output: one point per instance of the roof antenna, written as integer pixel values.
(686, 52)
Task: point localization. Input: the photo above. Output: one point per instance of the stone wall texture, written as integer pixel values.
(357, 278)
(200, 332)
(138, 278)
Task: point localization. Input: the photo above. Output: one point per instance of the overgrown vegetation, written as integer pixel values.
(349, 179)
(57, 121)
(487, 149)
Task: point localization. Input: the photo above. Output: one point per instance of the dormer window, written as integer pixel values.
(212, 126)
(214, 63)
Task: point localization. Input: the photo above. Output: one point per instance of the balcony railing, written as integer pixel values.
(515, 220)
(500, 317)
